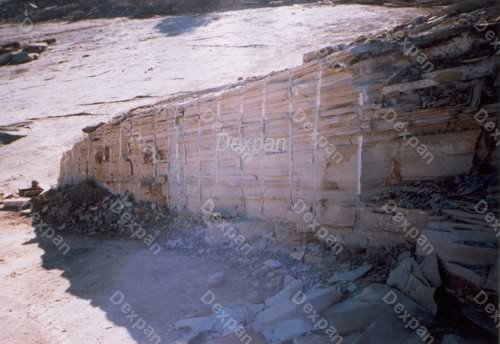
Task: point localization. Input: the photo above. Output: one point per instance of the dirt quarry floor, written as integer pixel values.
(100, 68)
(52, 298)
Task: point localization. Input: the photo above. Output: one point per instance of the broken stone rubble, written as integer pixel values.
(212, 324)
(14, 53)
(16, 203)
(350, 276)
(409, 278)
(363, 317)
(89, 209)
(358, 317)
(287, 320)
(465, 244)
(278, 318)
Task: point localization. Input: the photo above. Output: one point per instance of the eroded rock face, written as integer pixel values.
(398, 120)
(409, 111)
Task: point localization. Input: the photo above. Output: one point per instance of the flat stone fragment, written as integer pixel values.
(273, 264)
(20, 57)
(5, 58)
(15, 203)
(288, 320)
(216, 279)
(35, 47)
(350, 276)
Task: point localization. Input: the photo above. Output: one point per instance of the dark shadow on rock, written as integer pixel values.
(6, 139)
(175, 26)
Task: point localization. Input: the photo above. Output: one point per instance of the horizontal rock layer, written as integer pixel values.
(351, 120)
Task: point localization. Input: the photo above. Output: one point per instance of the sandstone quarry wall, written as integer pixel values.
(325, 133)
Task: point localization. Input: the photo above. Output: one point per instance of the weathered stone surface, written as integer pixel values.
(312, 339)
(36, 47)
(452, 339)
(286, 329)
(290, 287)
(20, 57)
(450, 246)
(288, 320)
(215, 324)
(216, 279)
(196, 326)
(465, 274)
(387, 329)
(423, 101)
(50, 41)
(353, 316)
(273, 264)
(15, 203)
(369, 316)
(10, 47)
(232, 338)
(5, 58)
(408, 277)
(492, 281)
(91, 129)
(350, 276)
(430, 269)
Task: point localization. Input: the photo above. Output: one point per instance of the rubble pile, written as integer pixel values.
(14, 53)
(21, 199)
(350, 307)
(459, 192)
(88, 208)
(462, 227)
